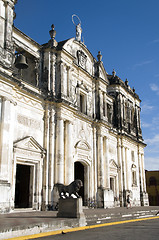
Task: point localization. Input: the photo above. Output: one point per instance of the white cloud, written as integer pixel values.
(154, 88)
(146, 107)
(156, 75)
(152, 163)
(146, 125)
(153, 141)
(155, 122)
(152, 153)
(142, 63)
(155, 41)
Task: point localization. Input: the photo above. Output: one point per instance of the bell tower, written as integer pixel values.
(6, 25)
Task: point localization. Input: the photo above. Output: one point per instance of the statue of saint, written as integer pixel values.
(78, 32)
(78, 27)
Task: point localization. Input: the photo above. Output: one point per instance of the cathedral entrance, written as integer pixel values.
(79, 174)
(22, 186)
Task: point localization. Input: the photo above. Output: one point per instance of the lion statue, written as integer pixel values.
(66, 191)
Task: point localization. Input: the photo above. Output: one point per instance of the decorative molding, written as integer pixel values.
(29, 122)
(28, 101)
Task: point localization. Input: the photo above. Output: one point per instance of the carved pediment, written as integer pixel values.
(83, 145)
(28, 143)
(113, 164)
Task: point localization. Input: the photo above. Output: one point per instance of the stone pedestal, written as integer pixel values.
(144, 199)
(70, 208)
(108, 198)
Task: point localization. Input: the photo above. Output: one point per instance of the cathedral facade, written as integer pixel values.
(63, 117)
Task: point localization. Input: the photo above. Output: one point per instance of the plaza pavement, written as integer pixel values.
(26, 222)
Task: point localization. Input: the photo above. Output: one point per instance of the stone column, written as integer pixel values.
(100, 161)
(107, 164)
(62, 76)
(6, 138)
(46, 158)
(120, 172)
(52, 72)
(91, 180)
(140, 172)
(94, 157)
(117, 188)
(87, 187)
(68, 81)
(141, 178)
(14, 179)
(8, 25)
(60, 150)
(40, 181)
(126, 170)
(59, 77)
(2, 23)
(143, 195)
(105, 106)
(143, 173)
(100, 170)
(68, 153)
(51, 154)
(123, 165)
(48, 67)
(33, 187)
(71, 94)
(101, 104)
(123, 173)
(38, 187)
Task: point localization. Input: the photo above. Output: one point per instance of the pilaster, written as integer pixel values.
(140, 171)
(46, 159)
(6, 137)
(94, 157)
(6, 23)
(68, 153)
(143, 172)
(68, 80)
(123, 173)
(60, 150)
(126, 170)
(120, 171)
(52, 72)
(107, 185)
(51, 154)
(105, 106)
(62, 76)
(100, 161)
(101, 103)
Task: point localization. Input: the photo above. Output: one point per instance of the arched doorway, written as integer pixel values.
(79, 174)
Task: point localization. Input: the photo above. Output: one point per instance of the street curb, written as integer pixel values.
(64, 231)
(17, 231)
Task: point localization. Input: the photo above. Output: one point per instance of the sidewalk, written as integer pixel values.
(30, 222)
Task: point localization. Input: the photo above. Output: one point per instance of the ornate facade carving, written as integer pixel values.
(82, 59)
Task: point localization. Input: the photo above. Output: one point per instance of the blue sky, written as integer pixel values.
(127, 34)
